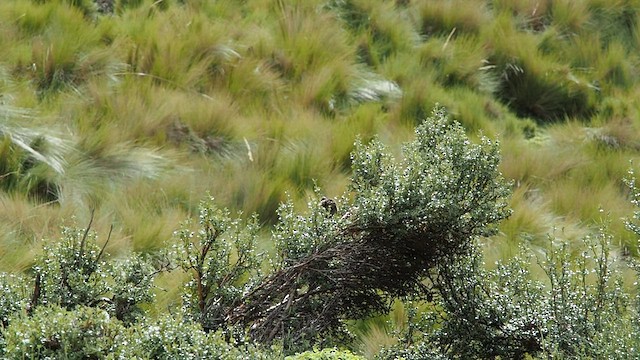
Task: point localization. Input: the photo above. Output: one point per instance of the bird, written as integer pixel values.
(329, 205)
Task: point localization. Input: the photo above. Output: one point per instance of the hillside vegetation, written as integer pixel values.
(130, 112)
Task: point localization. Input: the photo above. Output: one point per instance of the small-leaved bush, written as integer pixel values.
(350, 258)
(54, 332)
(579, 309)
(74, 272)
(90, 333)
(325, 354)
(176, 338)
(221, 258)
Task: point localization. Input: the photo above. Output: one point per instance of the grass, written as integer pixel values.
(140, 113)
(570, 16)
(451, 17)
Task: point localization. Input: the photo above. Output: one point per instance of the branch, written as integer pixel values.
(86, 233)
(35, 297)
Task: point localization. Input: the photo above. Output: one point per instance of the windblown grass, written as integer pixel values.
(452, 17)
(570, 16)
(380, 30)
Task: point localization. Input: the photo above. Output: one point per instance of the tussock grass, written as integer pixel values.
(570, 16)
(24, 227)
(46, 58)
(365, 121)
(374, 338)
(308, 43)
(94, 174)
(616, 133)
(452, 17)
(580, 177)
(529, 14)
(205, 86)
(133, 215)
(378, 332)
(458, 62)
(534, 84)
(531, 221)
(474, 111)
(31, 160)
(419, 97)
(538, 161)
(617, 67)
(179, 49)
(381, 29)
(615, 21)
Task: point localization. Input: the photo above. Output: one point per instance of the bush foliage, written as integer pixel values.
(579, 309)
(352, 262)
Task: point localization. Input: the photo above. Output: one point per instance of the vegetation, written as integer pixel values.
(122, 115)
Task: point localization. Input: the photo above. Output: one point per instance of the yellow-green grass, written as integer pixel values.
(379, 332)
(570, 16)
(452, 17)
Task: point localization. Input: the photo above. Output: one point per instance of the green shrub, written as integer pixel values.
(419, 351)
(14, 295)
(73, 272)
(89, 333)
(325, 354)
(220, 258)
(175, 338)
(52, 332)
(403, 216)
(578, 310)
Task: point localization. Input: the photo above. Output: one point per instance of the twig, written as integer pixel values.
(86, 232)
(35, 296)
(105, 243)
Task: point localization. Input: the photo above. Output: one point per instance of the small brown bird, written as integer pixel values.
(329, 205)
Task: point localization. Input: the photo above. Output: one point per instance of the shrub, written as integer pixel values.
(220, 257)
(14, 299)
(325, 354)
(353, 261)
(176, 338)
(73, 272)
(56, 333)
(90, 333)
(578, 311)
(82, 306)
